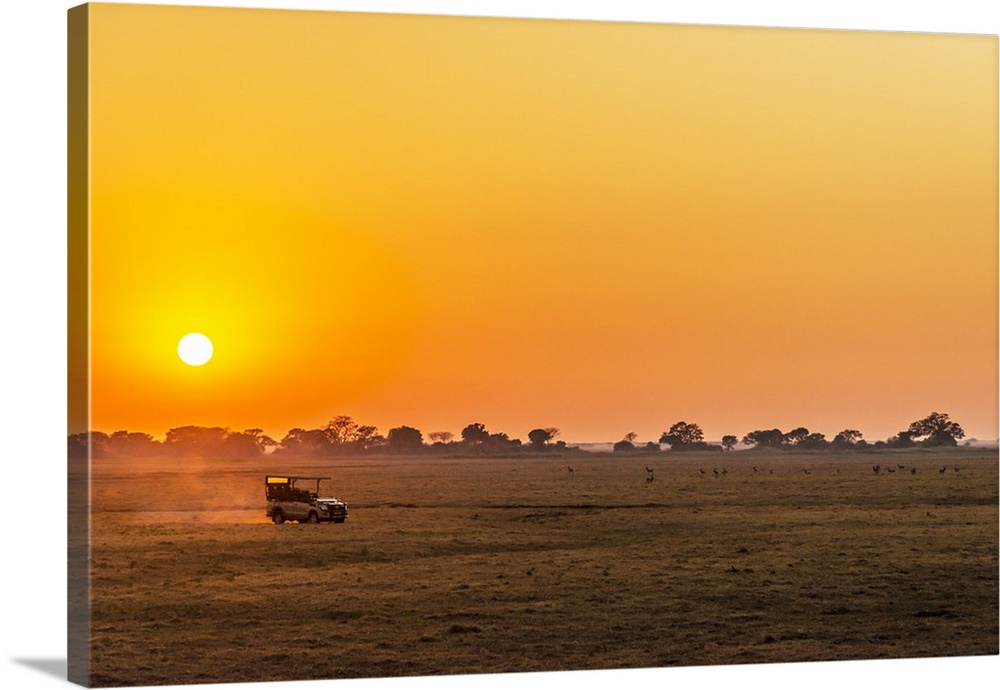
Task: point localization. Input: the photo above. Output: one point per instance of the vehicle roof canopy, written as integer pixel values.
(288, 479)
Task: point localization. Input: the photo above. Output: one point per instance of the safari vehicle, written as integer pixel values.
(286, 501)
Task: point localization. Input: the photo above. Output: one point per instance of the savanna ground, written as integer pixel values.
(466, 565)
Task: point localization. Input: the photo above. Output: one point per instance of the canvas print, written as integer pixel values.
(429, 345)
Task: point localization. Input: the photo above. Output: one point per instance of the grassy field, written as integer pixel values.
(453, 565)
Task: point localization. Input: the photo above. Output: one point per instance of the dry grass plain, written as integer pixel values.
(467, 565)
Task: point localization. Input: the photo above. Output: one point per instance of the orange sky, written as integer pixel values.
(602, 227)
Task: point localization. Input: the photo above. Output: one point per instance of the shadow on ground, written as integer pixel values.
(50, 667)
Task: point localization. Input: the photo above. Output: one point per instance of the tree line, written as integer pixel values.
(340, 436)
(343, 436)
(936, 429)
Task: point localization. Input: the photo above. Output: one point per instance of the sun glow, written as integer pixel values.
(195, 349)
(559, 227)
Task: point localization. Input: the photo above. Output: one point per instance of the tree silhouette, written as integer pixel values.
(78, 445)
(305, 442)
(94, 443)
(500, 440)
(626, 443)
(198, 441)
(795, 436)
(261, 440)
(729, 442)
(405, 439)
(539, 437)
(213, 442)
(341, 430)
(240, 444)
(765, 438)
(344, 436)
(367, 437)
(936, 429)
(847, 438)
(475, 434)
(440, 436)
(683, 435)
(903, 439)
(813, 441)
(133, 444)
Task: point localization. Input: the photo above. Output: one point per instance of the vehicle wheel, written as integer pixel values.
(313, 517)
(278, 517)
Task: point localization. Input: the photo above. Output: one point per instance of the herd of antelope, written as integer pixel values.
(876, 469)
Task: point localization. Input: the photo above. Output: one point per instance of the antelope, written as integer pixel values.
(649, 478)
(876, 468)
(702, 471)
(570, 470)
(807, 471)
(956, 468)
(649, 470)
(942, 470)
(890, 470)
(725, 471)
(913, 470)
(716, 472)
(755, 469)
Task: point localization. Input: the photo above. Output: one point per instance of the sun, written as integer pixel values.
(195, 349)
